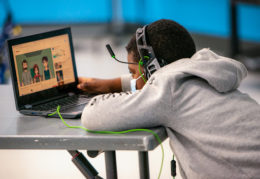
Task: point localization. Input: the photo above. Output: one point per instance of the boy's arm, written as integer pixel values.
(101, 86)
(146, 108)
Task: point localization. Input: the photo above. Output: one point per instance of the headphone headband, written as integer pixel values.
(142, 46)
(151, 63)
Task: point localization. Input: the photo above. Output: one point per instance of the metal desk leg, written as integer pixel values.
(110, 159)
(143, 165)
(83, 165)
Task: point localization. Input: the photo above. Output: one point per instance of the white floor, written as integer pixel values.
(94, 61)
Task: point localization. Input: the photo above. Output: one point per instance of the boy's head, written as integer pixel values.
(45, 61)
(24, 65)
(170, 42)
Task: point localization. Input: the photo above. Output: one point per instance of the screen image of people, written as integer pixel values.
(35, 67)
(43, 64)
(59, 75)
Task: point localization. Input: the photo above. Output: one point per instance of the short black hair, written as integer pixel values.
(24, 61)
(170, 41)
(44, 59)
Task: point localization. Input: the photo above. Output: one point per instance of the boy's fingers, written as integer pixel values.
(80, 79)
(82, 85)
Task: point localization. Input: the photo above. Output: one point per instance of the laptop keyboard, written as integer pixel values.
(65, 103)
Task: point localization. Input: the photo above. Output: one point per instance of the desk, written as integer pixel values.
(29, 132)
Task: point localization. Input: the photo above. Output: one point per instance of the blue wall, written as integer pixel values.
(201, 16)
(59, 11)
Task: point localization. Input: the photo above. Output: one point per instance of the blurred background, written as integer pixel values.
(228, 27)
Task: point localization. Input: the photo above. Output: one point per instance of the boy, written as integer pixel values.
(46, 70)
(212, 126)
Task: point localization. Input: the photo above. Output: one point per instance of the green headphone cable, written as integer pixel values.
(113, 132)
(140, 63)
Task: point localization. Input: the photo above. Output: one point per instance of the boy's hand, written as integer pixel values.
(98, 86)
(87, 84)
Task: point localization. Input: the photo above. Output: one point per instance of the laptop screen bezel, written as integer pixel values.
(50, 93)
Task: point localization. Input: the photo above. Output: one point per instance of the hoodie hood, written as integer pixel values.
(222, 73)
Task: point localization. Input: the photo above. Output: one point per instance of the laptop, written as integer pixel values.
(44, 75)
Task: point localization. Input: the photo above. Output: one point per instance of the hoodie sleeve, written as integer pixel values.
(126, 110)
(125, 82)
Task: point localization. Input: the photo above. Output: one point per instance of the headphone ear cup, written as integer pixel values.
(141, 62)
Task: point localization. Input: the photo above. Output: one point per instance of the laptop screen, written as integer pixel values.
(43, 64)
(42, 67)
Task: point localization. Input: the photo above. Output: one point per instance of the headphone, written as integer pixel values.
(148, 59)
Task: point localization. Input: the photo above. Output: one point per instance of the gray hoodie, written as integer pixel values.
(214, 129)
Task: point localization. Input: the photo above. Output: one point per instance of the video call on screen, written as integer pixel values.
(43, 64)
